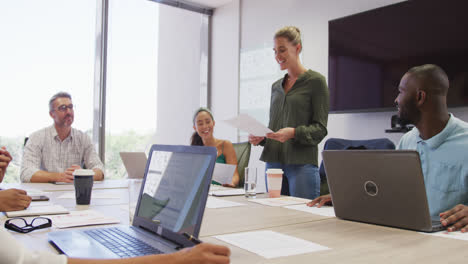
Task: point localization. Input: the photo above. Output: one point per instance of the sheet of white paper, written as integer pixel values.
(82, 218)
(214, 187)
(269, 244)
(248, 124)
(281, 201)
(454, 235)
(223, 173)
(39, 210)
(324, 210)
(40, 203)
(71, 195)
(213, 203)
(228, 192)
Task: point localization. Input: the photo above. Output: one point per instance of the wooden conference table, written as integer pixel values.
(349, 242)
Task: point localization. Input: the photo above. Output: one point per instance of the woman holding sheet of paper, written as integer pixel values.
(203, 124)
(298, 113)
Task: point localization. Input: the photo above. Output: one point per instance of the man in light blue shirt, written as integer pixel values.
(441, 140)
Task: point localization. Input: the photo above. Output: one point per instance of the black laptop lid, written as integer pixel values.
(175, 189)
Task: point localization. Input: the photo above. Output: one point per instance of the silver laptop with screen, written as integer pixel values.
(171, 202)
(384, 187)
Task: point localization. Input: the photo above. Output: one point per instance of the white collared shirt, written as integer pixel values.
(45, 151)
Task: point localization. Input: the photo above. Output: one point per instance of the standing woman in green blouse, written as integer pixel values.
(203, 124)
(298, 113)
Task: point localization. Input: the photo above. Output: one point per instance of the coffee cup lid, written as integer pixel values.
(83, 172)
(274, 171)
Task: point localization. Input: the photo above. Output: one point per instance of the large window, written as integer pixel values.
(131, 80)
(46, 46)
(50, 46)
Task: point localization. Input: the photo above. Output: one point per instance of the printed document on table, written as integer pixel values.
(269, 244)
(223, 173)
(214, 203)
(249, 124)
(323, 211)
(281, 201)
(82, 218)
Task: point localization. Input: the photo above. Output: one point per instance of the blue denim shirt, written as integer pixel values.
(444, 162)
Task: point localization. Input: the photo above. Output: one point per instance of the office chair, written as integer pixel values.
(339, 143)
(243, 155)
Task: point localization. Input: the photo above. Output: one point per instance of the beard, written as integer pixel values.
(409, 114)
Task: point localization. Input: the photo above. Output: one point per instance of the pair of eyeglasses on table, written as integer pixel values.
(20, 225)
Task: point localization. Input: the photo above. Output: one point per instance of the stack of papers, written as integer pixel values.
(269, 244)
(281, 201)
(38, 208)
(82, 218)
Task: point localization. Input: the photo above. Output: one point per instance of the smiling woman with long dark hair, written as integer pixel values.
(203, 124)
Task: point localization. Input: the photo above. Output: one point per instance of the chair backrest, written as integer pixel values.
(243, 155)
(339, 143)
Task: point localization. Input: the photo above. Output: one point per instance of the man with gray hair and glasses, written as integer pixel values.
(53, 153)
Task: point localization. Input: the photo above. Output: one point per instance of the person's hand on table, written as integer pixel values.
(455, 218)
(320, 201)
(14, 200)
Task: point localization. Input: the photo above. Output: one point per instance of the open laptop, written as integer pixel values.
(171, 202)
(135, 164)
(384, 187)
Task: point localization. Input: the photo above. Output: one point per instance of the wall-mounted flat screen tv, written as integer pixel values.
(369, 52)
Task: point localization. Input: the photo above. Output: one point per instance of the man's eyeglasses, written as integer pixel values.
(20, 225)
(63, 108)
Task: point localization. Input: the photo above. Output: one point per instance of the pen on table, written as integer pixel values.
(195, 240)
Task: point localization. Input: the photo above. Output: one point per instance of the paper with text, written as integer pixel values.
(323, 211)
(223, 173)
(269, 244)
(249, 124)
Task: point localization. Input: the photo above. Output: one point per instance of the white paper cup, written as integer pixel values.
(274, 179)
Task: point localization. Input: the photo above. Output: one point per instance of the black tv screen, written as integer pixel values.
(369, 52)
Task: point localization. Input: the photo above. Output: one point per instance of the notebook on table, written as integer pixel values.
(171, 202)
(384, 187)
(135, 164)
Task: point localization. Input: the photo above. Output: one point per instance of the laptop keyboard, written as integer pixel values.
(121, 243)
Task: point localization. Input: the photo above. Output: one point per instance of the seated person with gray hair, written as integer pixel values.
(53, 153)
